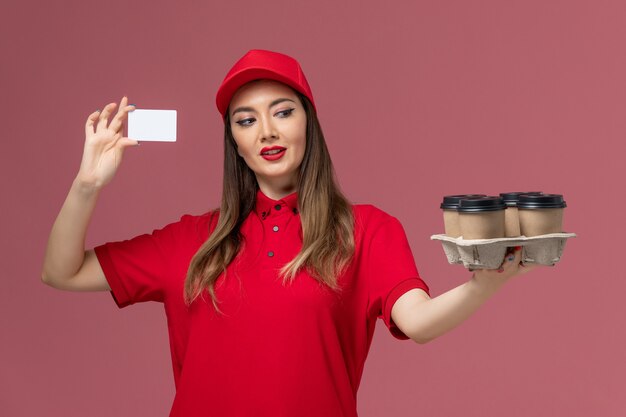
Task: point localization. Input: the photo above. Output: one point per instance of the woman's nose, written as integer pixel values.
(268, 130)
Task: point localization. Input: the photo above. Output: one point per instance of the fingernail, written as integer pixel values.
(98, 111)
(522, 265)
(138, 143)
(500, 270)
(132, 105)
(510, 258)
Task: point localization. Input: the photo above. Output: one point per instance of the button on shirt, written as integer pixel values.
(293, 350)
(277, 224)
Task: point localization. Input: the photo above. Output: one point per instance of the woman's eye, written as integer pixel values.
(286, 112)
(243, 122)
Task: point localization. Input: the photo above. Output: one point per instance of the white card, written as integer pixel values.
(152, 125)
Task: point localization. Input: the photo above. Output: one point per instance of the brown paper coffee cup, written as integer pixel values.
(538, 222)
(450, 207)
(482, 218)
(451, 223)
(482, 225)
(511, 216)
(541, 214)
(511, 222)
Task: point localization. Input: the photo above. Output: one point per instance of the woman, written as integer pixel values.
(296, 276)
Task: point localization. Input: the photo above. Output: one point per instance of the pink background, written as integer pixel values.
(417, 100)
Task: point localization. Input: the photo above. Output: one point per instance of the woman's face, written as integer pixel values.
(266, 114)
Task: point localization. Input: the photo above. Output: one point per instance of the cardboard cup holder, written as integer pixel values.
(489, 253)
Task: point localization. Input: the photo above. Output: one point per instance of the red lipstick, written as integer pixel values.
(275, 152)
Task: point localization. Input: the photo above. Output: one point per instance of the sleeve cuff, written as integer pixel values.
(391, 299)
(118, 291)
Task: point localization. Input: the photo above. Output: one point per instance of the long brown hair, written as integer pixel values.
(325, 214)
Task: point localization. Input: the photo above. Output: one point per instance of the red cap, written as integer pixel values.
(262, 64)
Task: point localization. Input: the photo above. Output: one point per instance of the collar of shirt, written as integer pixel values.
(265, 205)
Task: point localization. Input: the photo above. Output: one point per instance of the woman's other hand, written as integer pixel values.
(104, 144)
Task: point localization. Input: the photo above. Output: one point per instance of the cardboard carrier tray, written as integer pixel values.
(489, 253)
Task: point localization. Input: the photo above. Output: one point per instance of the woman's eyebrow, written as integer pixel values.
(273, 103)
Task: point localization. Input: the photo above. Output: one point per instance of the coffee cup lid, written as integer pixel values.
(451, 202)
(530, 201)
(480, 204)
(510, 199)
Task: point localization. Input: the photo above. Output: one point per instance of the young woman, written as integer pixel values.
(272, 299)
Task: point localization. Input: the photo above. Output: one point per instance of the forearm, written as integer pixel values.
(441, 314)
(66, 245)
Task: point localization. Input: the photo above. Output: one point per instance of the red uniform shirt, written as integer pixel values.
(279, 351)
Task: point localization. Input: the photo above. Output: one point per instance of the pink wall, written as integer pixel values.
(417, 100)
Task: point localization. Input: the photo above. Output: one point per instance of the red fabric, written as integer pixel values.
(295, 350)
